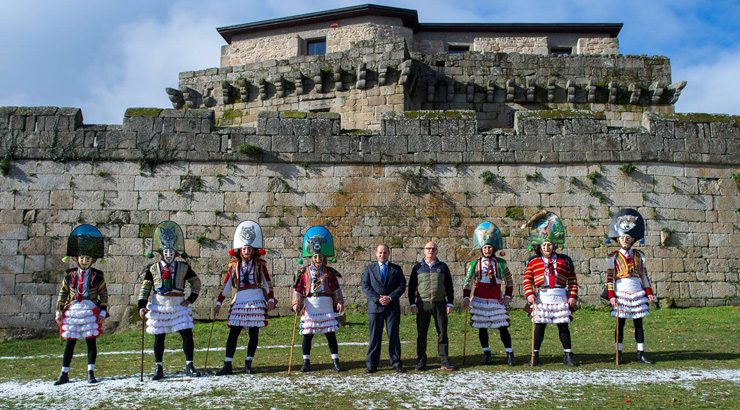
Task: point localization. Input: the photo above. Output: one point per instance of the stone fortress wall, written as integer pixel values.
(419, 176)
(380, 74)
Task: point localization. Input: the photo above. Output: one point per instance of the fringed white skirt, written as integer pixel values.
(319, 316)
(248, 309)
(166, 315)
(80, 321)
(631, 300)
(551, 306)
(488, 313)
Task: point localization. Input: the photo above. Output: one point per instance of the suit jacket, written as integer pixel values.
(373, 286)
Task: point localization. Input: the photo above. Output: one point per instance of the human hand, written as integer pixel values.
(449, 309)
(58, 317)
(414, 310)
(216, 309)
(270, 305)
(613, 302)
(572, 303)
(531, 299)
(651, 298)
(340, 307)
(143, 312)
(466, 302)
(505, 300)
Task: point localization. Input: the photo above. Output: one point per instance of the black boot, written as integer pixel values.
(487, 358)
(248, 366)
(510, 358)
(335, 362)
(306, 366)
(535, 359)
(91, 376)
(226, 370)
(620, 357)
(641, 358)
(63, 378)
(568, 359)
(190, 370)
(158, 373)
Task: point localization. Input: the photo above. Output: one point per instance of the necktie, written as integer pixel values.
(551, 274)
(80, 285)
(383, 270)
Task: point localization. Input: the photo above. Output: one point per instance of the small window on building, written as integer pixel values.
(561, 51)
(458, 48)
(316, 46)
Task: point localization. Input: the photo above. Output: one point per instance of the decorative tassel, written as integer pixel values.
(300, 262)
(262, 252)
(103, 261)
(232, 253)
(333, 260)
(150, 254)
(65, 259)
(502, 253)
(608, 240)
(530, 248)
(184, 255)
(642, 241)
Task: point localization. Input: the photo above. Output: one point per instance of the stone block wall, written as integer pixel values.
(421, 176)
(523, 45)
(597, 46)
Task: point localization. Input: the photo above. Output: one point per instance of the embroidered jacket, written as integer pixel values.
(565, 276)
(624, 266)
(258, 278)
(94, 289)
(168, 283)
(489, 276)
(326, 284)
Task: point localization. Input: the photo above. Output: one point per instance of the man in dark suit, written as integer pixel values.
(383, 283)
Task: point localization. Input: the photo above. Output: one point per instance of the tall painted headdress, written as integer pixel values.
(546, 226)
(168, 235)
(627, 222)
(86, 240)
(318, 239)
(487, 233)
(247, 233)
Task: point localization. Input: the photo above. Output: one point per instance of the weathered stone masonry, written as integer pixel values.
(421, 176)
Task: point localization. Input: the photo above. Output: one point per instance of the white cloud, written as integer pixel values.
(713, 87)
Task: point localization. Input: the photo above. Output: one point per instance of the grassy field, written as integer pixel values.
(696, 354)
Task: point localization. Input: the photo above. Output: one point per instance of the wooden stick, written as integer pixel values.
(143, 329)
(467, 312)
(208, 349)
(616, 341)
(531, 361)
(292, 340)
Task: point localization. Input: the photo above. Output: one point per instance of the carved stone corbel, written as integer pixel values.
(191, 97)
(175, 97)
(361, 83)
(613, 89)
(635, 92)
(570, 91)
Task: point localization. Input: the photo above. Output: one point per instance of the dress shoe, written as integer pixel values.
(190, 370)
(226, 370)
(248, 367)
(306, 367)
(535, 359)
(158, 373)
(487, 359)
(641, 358)
(63, 378)
(91, 377)
(422, 364)
(510, 358)
(568, 359)
(399, 369)
(447, 366)
(335, 364)
(371, 370)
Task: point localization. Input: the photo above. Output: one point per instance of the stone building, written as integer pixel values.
(393, 132)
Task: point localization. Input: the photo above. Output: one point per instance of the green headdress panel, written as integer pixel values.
(487, 234)
(546, 227)
(86, 240)
(318, 239)
(168, 235)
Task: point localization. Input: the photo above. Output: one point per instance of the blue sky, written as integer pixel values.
(105, 56)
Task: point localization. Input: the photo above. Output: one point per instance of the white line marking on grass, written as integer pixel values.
(461, 389)
(148, 350)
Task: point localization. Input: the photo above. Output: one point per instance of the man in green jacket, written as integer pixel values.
(431, 295)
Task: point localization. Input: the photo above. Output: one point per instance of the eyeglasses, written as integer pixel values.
(430, 249)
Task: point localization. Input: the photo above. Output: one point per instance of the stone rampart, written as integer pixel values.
(421, 176)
